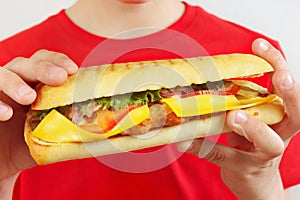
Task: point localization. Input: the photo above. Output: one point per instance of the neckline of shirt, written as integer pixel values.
(182, 24)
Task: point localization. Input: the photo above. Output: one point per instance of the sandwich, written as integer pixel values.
(124, 107)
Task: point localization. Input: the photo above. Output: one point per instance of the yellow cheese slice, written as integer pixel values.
(207, 103)
(55, 127)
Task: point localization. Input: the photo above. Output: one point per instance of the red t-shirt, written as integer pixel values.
(155, 173)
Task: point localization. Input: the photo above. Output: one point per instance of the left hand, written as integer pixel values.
(249, 164)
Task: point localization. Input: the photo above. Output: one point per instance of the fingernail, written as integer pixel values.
(71, 66)
(24, 90)
(240, 117)
(3, 109)
(263, 46)
(288, 81)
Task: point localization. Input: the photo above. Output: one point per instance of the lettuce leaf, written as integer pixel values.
(123, 101)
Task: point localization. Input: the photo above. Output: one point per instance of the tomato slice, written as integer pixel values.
(108, 119)
(234, 90)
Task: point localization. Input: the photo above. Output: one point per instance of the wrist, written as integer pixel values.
(272, 190)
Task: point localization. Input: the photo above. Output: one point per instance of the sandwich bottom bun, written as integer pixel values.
(45, 153)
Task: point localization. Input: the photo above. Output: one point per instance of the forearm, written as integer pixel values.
(7, 187)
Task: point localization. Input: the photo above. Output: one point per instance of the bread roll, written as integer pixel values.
(109, 80)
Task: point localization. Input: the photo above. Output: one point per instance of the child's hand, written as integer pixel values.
(16, 93)
(249, 165)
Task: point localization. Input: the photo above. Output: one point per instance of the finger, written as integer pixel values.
(238, 142)
(266, 51)
(57, 59)
(285, 86)
(6, 112)
(38, 71)
(220, 155)
(17, 89)
(289, 90)
(184, 146)
(234, 139)
(266, 141)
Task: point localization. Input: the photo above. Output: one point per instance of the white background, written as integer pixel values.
(276, 18)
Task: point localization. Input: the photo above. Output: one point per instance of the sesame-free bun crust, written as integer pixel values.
(109, 80)
(112, 79)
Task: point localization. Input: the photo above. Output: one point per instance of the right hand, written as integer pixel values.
(17, 79)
